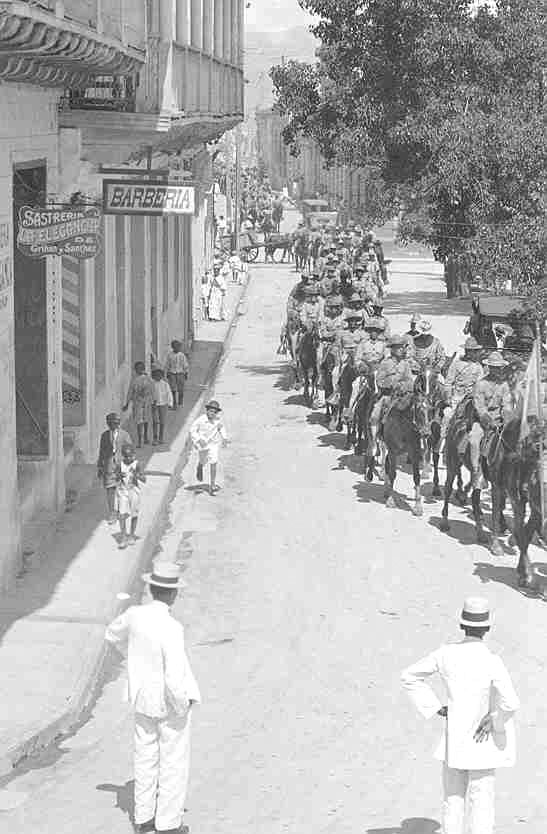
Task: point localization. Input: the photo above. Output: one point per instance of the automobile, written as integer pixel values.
(501, 322)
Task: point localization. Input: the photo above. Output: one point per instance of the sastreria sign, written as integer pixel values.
(147, 197)
(65, 230)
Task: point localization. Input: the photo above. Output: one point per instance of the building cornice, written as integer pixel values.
(39, 48)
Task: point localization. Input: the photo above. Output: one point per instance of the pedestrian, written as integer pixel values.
(110, 452)
(141, 396)
(207, 434)
(235, 266)
(479, 733)
(129, 477)
(217, 294)
(176, 368)
(205, 290)
(162, 691)
(163, 399)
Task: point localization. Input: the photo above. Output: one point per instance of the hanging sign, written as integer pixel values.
(147, 198)
(68, 230)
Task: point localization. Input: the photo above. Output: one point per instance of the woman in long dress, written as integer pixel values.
(216, 296)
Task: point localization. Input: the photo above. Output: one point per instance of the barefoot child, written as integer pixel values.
(141, 396)
(129, 476)
(207, 435)
(163, 399)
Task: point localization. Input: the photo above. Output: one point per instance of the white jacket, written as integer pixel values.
(159, 676)
(476, 682)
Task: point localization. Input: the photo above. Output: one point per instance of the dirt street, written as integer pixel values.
(306, 599)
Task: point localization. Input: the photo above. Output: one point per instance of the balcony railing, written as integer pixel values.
(113, 93)
(201, 84)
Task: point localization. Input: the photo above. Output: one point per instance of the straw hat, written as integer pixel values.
(475, 613)
(424, 325)
(213, 406)
(165, 575)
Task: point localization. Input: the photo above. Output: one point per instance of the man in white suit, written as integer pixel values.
(479, 732)
(162, 691)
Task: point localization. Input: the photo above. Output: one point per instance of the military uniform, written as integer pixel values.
(494, 405)
(370, 353)
(431, 354)
(394, 378)
(311, 312)
(461, 379)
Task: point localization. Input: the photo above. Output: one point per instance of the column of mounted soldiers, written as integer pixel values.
(340, 299)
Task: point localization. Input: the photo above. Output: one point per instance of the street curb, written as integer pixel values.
(90, 685)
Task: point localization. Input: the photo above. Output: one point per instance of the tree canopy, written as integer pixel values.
(447, 100)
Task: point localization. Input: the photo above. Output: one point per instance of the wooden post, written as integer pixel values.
(539, 400)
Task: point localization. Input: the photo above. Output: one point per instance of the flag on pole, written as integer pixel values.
(530, 387)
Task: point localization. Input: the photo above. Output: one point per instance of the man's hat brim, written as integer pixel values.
(163, 582)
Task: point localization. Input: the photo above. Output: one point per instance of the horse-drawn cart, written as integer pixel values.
(276, 246)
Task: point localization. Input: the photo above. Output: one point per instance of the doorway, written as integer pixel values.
(30, 332)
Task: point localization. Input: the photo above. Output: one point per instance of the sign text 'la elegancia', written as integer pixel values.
(59, 231)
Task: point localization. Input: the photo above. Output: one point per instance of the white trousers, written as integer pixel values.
(162, 758)
(468, 805)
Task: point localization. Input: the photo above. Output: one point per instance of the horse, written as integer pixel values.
(302, 254)
(514, 472)
(345, 386)
(458, 455)
(273, 242)
(328, 365)
(307, 361)
(403, 428)
(293, 333)
(432, 387)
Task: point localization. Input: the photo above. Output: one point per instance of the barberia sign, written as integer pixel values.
(59, 231)
(147, 198)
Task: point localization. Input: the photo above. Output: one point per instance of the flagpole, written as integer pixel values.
(541, 461)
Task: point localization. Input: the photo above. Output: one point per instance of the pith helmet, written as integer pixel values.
(424, 326)
(496, 360)
(311, 290)
(353, 314)
(355, 297)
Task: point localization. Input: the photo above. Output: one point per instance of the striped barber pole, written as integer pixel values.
(72, 378)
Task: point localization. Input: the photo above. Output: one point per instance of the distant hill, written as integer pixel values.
(266, 49)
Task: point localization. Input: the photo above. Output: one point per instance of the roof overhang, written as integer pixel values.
(114, 138)
(37, 47)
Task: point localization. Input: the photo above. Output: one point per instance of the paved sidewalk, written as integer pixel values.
(52, 623)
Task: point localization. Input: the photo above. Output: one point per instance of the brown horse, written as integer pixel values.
(433, 390)
(403, 427)
(513, 471)
(307, 361)
(328, 364)
(458, 455)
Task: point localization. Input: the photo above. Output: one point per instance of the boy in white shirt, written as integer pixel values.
(163, 399)
(207, 434)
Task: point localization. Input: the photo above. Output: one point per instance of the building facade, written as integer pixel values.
(91, 92)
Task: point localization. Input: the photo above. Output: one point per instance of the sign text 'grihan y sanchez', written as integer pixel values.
(147, 198)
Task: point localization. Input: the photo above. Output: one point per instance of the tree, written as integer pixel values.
(447, 100)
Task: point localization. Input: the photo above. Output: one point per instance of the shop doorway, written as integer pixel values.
(30, 313)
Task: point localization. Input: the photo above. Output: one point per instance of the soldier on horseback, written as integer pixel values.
(376, 308)
(394, 381)
(428, 350)
(493, 405)
(462, 376)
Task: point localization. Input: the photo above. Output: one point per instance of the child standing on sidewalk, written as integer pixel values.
(176, 368)
(207, 434)
(163, 399)
(141, 396)
(129, 476)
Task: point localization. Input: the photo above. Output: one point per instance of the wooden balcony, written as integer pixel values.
(65, 43)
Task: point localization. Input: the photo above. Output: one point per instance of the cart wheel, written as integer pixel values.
(278, 255)
(252, 254)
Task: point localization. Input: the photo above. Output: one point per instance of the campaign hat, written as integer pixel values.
(496, 360)
(397, 341)
(375, 324)
(472, 344)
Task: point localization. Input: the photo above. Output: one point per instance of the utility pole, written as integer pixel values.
(237, 200)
